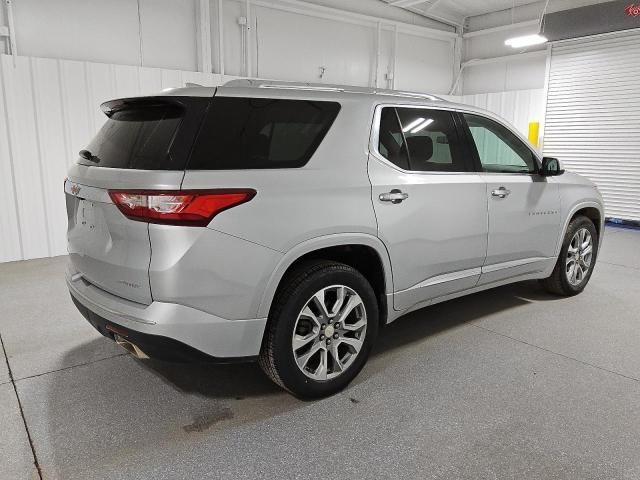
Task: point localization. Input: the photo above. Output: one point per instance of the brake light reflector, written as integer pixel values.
(182, 207)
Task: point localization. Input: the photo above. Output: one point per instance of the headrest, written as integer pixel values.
(420, 148)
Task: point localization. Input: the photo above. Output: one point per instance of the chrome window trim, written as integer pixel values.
(375, 136)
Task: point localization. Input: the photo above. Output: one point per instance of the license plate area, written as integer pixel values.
(85, 215)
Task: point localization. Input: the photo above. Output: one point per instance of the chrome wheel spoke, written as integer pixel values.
(573, 273)
(319, 301)
(354, 342)
(352, 303)
(300, 341)
(308, 313)
(341, 293)
(321, 370)
(579, 274)
(302, 360)
(333, 350)
(354, 327)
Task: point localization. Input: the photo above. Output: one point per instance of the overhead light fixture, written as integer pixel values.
(413, 124)
(423, 125)
(526, 41)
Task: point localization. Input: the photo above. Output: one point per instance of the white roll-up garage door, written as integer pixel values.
(593, 116)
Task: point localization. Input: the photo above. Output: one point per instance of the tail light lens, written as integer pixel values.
(183, 207)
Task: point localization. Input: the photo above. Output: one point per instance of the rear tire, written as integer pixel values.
(576, 260)
(313, 351)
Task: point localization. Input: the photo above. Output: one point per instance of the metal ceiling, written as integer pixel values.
(455, 11)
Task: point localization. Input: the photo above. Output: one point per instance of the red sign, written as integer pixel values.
(632, 10)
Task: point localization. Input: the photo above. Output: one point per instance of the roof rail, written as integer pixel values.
(395, 93)
(303, 87)
(320, 87)
(283, 85)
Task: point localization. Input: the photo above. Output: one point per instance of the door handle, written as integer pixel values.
(394, 196)
(500, 192)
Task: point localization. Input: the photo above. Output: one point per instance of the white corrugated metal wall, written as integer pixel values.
(593, 116)
(518, 107)
(49, 109)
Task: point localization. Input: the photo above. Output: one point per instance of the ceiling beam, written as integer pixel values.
(406, 3)
(433, 4)
(447, 21)
(410, 5)
(511, 26)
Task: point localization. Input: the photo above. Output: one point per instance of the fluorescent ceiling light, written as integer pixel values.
(413, 124)
(526, 41)
(423, 125)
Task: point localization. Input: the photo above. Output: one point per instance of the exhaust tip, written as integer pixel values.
(130, 347)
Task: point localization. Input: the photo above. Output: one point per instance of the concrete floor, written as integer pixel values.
(510, 383)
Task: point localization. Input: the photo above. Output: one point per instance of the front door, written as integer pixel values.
(431, 209)
(524, 207)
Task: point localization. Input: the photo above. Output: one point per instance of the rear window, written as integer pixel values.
(146, 134)
(250, 133)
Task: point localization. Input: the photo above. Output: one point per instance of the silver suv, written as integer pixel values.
(288, 223)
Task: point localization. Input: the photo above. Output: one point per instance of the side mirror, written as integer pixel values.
(551, 167)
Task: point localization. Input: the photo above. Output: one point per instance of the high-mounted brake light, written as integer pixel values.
(182, 207)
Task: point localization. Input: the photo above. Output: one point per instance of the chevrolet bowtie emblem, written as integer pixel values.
(75, 189)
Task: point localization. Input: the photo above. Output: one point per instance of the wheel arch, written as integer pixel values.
(355, 250)
(591, 210)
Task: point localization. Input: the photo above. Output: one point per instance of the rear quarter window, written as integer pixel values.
(146, 133)
(252, 133)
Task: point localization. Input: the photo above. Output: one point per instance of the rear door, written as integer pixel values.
(524, 208)
(142, 146)
(431, 209)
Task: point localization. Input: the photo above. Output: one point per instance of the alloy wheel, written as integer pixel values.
(329, 332)
(579, 257)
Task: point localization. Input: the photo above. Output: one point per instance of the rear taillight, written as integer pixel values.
(183, 207)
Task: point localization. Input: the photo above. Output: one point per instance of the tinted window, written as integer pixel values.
(245, 133)
(152, 133)
(391, 144)
(499, 150)
(137, 137)
(432, 140)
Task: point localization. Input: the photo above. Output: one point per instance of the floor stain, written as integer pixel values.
(204, 422)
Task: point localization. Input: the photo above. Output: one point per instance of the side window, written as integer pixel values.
(432, 140)
(391, 144)
(247, 133)
(499, 150)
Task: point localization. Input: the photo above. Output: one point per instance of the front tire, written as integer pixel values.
(321, 329)
(576, 260)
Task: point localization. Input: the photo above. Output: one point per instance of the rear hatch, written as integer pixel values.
(144, 145)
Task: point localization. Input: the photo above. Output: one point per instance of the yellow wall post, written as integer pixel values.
(534, 129)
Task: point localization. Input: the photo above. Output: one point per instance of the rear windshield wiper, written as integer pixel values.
(87, 155)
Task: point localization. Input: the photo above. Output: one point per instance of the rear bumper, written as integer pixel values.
(168, 330)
